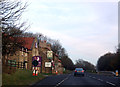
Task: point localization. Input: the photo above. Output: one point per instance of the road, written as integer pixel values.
(89, 80)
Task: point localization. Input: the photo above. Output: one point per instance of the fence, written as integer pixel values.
(12, 65)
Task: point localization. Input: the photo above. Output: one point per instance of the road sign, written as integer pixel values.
(36, 61)
(116, 72)
(49, 54)
(47, 64)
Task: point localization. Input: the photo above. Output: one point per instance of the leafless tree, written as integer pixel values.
(10, 14)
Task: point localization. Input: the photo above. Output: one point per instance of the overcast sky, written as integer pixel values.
(87, 30)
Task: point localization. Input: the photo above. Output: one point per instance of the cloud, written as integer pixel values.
(89, 49)
(87, 30)
(76, 1)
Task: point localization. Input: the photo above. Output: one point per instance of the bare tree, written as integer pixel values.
(10, 14)
(84, 64)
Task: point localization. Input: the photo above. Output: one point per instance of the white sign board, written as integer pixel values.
(47, 64)
(49, 54)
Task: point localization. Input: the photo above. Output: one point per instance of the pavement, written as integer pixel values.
(69, 80)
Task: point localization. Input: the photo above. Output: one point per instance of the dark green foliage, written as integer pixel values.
(109, 62)
(84, 64)
(67, 63)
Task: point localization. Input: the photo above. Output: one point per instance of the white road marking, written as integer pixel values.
(62, 81)
(110, 83)
(93, 77)
(102, 80)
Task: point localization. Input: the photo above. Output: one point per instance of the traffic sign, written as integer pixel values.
(36, 61)
(116, 72)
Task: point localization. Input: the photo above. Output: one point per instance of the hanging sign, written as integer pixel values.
(49, 54)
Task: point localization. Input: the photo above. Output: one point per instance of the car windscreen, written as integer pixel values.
(80, 69)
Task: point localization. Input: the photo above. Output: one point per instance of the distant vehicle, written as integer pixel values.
(79, 71)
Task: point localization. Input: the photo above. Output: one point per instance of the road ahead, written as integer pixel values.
(89, 80)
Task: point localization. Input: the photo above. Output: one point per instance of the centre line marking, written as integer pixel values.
(62, 81)
(110, 83)
(106, 81)
(100, 79)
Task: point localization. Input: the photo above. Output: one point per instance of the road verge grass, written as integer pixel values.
(20, 77)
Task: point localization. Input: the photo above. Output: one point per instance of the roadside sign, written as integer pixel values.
(49, 54)
(116, 72)
(47, 64)
(36, 61)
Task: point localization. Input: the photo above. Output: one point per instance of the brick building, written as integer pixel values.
(43, 48)
(23, 57)
(30, 48)
(55, 62)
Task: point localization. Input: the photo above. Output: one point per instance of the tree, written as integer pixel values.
(67, 63)
(108, 62)
(10, 13)
(84, 64)
(56, 48)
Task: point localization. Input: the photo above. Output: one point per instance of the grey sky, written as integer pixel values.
(87, 30)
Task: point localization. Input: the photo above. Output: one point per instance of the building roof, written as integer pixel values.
(27, 42)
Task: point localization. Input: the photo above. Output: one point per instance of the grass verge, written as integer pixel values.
(20, 77)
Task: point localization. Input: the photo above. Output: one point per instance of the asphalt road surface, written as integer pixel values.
(69, 80)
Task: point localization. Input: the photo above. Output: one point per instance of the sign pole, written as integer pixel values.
(36, 62)
(41, 65)
(50, 56)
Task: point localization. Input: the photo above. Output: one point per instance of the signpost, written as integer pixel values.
(49, 56)
(36, 62)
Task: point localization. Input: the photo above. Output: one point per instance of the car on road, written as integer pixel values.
(79, 71)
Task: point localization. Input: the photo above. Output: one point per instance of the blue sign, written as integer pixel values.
(36, 61)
